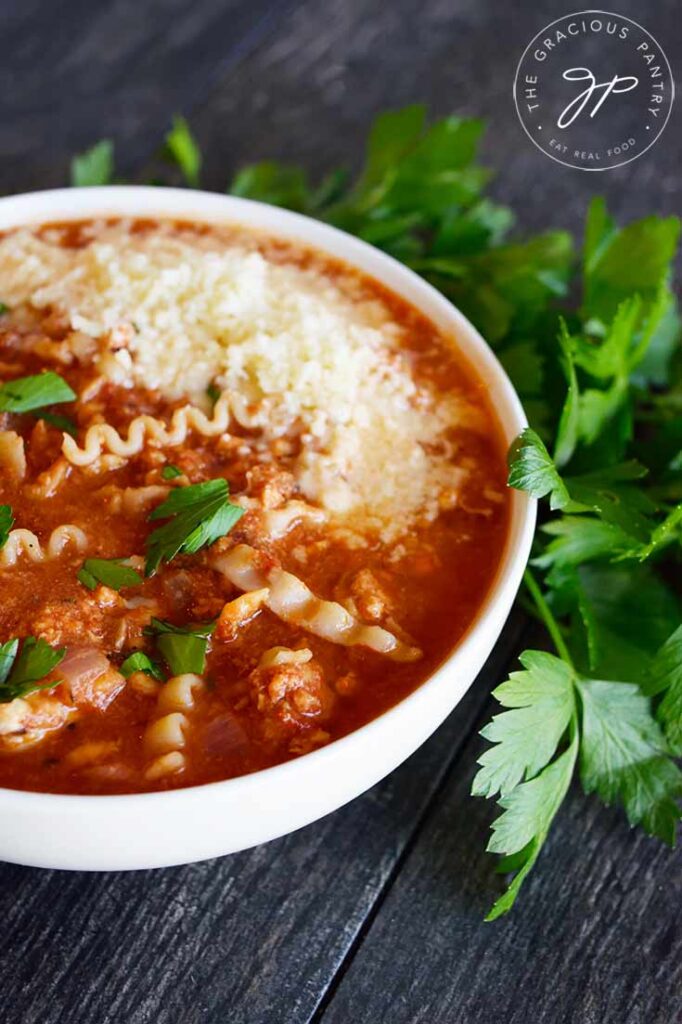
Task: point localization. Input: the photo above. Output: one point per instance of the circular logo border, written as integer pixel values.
(611, 167)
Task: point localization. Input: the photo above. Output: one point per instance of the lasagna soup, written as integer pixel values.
(249, 499)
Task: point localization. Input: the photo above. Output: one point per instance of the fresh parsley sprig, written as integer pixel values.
(183, 648)
(557, 716)
(610, 701)
(6, 524)
(21, 670)
(112, 572)
(24, 394)
(138, 661)
(198, 515)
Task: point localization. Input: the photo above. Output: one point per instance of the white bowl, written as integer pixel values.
(96, 833)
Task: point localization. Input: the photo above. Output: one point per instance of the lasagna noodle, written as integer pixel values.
(102, 437)
(12, 455)
(25, 543)
(291, 600)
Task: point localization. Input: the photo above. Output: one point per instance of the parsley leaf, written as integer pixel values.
(64, 423)
(8, 652)
(95, 166)
(520, 832)
(273, 183)
(171, 472)
(27, 393)
(666, 677)
(198, 515)
(621, 615)
(6, 524)
(532, 469)
(182, 647)
(141, 662)
(623, 756)
(612, 493)
(542, 703)
(112, 572)
(623, 262)
(580, 539)
(20, 674)
(182, 148)
(569, 421)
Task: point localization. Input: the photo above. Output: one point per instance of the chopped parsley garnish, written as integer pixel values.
(171, 472)
(213, 392)
(4, 308)
(183, 648)
(21, 671)
(28, 393)
(141, 662)
(112, 572)
(64, 423)
(6, 523)
(198, 515)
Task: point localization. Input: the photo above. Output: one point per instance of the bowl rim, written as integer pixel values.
(199, 206)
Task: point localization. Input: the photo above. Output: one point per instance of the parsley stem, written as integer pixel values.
(547, 617)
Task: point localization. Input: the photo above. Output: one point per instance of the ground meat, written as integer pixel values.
(272, 486)
(72, 621)
(290, 696)
(24, 722)
(371, 600)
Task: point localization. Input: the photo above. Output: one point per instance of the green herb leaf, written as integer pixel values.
(95, 166)
(624, 758)
(581, 539)
(27, 393)
(620, 263)
(8, 653)
(6, 524)
(520, 832)
(666, 678)
(612, 493)
(182, 147)
(198, 514)
(532, 469)
(112, 572)
(64, 423)
(569, 421)
(273, 183)
(20, 674)
(182, 647)
(171, 472)
(141, 662)
(526, 737)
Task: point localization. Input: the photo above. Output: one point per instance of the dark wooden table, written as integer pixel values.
(375, 913)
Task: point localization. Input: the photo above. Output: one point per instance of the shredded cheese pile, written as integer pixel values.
(304, 352)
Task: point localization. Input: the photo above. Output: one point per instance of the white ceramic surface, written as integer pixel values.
(160, 829)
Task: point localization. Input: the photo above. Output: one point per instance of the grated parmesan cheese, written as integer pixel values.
(301, 353)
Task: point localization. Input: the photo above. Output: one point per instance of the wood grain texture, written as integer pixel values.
(308, 94)
(74, 72)
(595, 937)
(255, 938)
